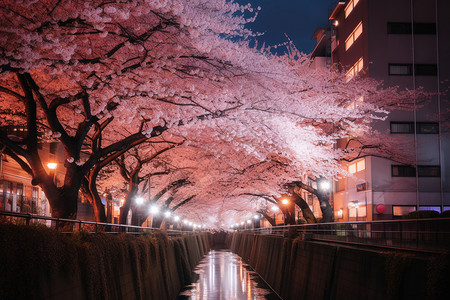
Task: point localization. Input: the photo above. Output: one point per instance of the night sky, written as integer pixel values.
(296, 18)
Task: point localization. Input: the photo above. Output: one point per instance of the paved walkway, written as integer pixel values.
(223, 276)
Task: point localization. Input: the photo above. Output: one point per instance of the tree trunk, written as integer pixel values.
(327, 211)
(306, 211)
(268, 218)
(63, 200)
(157, 221)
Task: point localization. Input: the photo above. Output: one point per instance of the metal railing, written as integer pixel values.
(420, 234)
(68, 225)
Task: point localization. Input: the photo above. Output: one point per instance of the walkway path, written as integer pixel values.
(223, 276)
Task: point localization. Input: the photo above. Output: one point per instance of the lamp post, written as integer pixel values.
(356, 205)
(275, 209)
(52, 167)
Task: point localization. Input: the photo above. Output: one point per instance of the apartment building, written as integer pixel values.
(403, 43)
(17, 194)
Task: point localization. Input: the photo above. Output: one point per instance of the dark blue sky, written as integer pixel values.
(297, 18)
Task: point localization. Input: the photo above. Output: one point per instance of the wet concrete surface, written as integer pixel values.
(222, 275)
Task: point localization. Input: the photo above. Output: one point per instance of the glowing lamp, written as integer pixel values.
(285, 201)
(52, 165)
(139, 200)
(154, 209)
(325, 185)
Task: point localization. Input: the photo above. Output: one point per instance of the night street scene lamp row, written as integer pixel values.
(155, 210)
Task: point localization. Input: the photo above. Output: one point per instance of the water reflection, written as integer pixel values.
(223, 275)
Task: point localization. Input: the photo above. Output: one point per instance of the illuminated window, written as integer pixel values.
(356, 103)
(435, 208)
(357, 166)
(355, 69)
(352, 168)
(360, 165)
(349, 8)
(401, 210)
(353, 36)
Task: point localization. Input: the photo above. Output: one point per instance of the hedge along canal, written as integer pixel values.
(39, 263)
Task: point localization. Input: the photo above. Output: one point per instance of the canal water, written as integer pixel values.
(222, 275)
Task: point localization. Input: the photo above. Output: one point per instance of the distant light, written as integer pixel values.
(176, 218)
(185, 221)
(256, 217)
(249, 221)
(285, 201)
(154, 209)
(275, 208)
(336, 23)
(167, 213)
(325, 185)
(52, 165)
(242, 223)
(139, 200)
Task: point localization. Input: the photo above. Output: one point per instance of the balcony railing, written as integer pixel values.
(421, 234)
(67, 225)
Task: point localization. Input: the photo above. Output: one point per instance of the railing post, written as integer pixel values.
(28, 219)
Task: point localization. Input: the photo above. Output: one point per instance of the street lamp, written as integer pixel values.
(285, 201)
(154, 209)
(52, 165)
(139, 200)
(324, 185)
(356, 205)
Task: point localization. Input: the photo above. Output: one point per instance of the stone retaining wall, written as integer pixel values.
(37, 263)
(298, 269)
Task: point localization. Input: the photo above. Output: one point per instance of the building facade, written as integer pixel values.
(403, 43)
(18, 195)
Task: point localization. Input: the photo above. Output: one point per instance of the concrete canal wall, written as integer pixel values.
(298, 269)
(37, 263)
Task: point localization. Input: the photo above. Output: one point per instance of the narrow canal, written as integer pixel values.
(222, 275)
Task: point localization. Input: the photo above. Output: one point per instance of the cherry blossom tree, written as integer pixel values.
(103, 77)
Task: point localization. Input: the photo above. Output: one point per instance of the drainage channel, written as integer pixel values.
(222, 275)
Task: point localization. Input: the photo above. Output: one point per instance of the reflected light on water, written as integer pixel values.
(223, 275)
